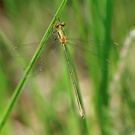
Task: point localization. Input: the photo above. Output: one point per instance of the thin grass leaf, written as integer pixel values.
(18, 90)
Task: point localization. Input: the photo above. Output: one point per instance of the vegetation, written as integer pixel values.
(46, 105)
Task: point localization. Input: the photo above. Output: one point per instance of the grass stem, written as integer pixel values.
(20, 86)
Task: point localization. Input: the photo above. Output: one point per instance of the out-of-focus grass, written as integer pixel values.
(45, 106)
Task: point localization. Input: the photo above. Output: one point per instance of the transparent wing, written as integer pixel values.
(94, 53)
(25, 53)
(91, 52)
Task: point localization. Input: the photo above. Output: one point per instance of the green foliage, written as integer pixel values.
(46, 105)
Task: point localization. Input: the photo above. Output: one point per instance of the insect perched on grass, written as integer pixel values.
(62, 38)
(100, 61)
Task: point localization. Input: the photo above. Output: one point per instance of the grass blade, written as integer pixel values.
(18, 90)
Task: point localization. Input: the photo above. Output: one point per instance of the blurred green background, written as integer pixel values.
(45, 106)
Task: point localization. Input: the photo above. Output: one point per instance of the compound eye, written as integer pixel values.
(63, 24)
(55, 26)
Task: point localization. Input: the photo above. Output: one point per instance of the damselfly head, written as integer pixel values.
(60, 24)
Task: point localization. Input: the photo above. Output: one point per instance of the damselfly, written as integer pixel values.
(93, 58)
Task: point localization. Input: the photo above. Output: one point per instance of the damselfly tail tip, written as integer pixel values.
(83, 116)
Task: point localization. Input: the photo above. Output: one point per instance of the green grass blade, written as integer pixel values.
(18, 90)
